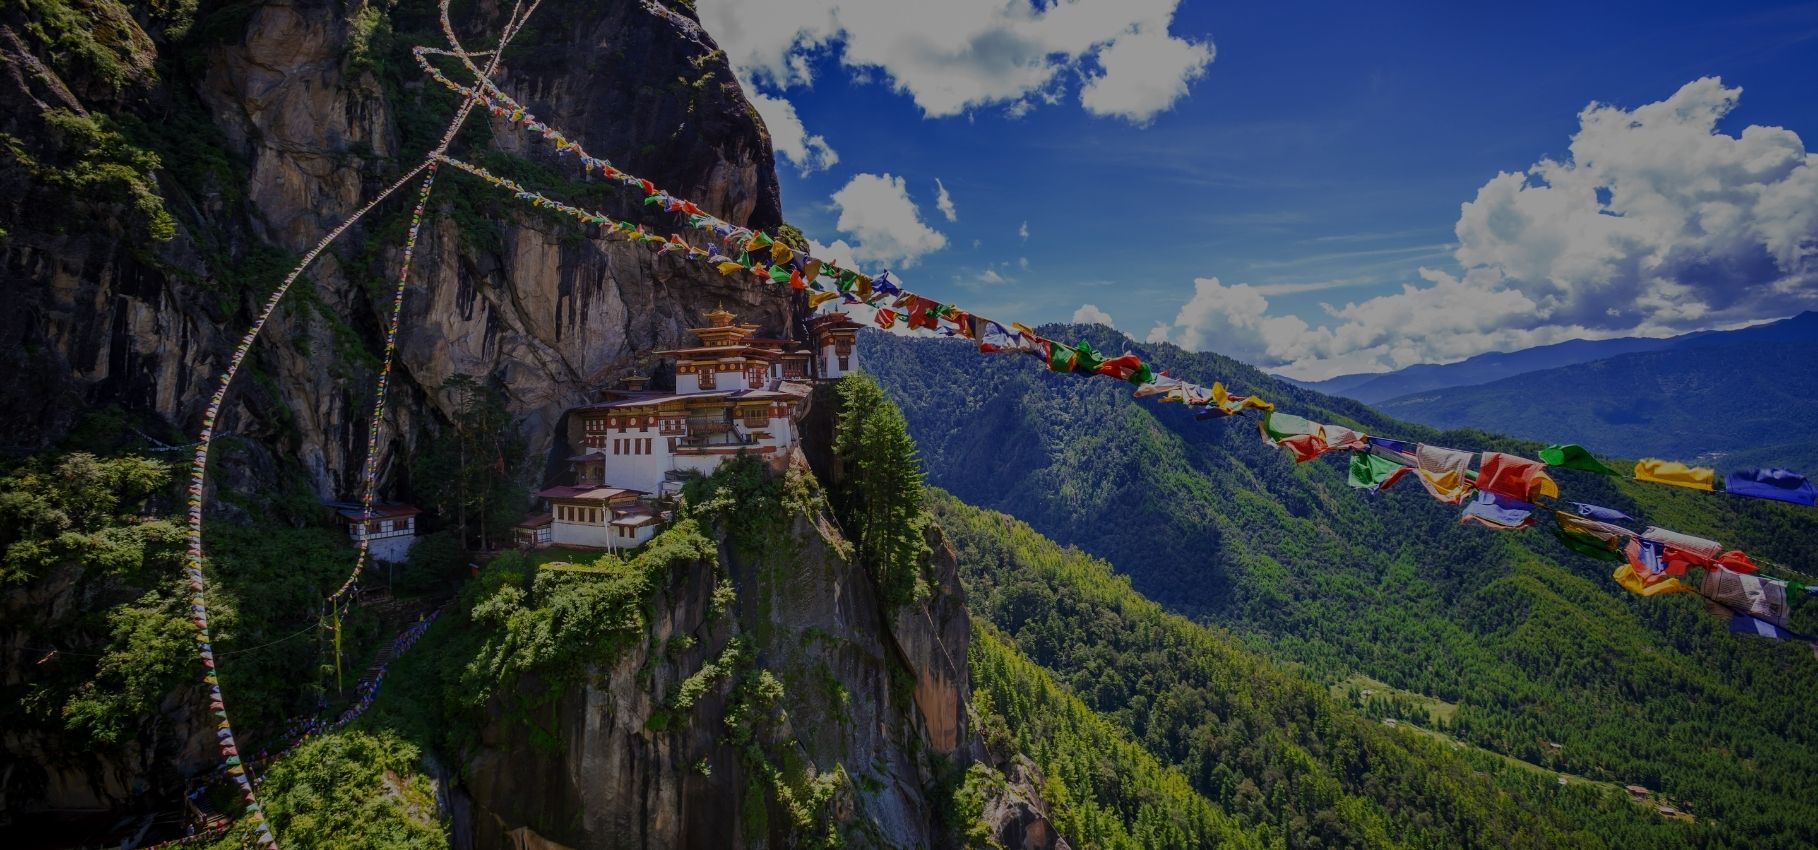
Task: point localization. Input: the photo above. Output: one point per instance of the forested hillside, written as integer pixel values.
(1265, 744)
(1533, 644)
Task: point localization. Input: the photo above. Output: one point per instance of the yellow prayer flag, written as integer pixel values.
(780, 254)
(819, 298)
(1675, 473)
(1625, 575)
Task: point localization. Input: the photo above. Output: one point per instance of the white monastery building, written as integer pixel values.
(735, 393)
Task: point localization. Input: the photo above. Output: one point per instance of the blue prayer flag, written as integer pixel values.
(1745, 624)
(1392, 445)
(1589, 511)
(1781, 485)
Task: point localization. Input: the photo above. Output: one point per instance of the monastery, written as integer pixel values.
(631, 451)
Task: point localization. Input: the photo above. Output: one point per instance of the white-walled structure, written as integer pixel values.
(393, 528)
(736, 393)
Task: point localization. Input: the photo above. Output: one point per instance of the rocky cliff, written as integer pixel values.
(819, 713)
(165, 164)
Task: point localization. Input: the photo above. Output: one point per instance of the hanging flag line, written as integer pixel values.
(1507, 487)
(1779, 484)
(193, 560)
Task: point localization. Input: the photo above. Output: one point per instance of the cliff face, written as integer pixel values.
(863, 727)
(262, 126)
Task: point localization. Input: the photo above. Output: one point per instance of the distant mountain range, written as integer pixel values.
(1743, 397)
(1376, 387)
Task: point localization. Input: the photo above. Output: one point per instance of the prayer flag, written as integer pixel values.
(1443, 472)
(1674, 473)
(1502, 514)
(1763, 599)
(1304, 446)
(1701, 550)
(1339, 437)
(1589, 544)
(1737, 561)
(1744, 624)
(1648, 557)
(1573, 456)
(1590, 511)
(1373, 472)
(1392, 445)
(1276, 426)
(1782, 485)
(1514, 477)
(1625, 575)
(1231, 404)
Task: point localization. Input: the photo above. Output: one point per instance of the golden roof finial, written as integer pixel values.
(720, 317)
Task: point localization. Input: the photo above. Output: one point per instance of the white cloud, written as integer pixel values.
(1023, 231)
(944, 201)
(1089, 314)
(1023, 262)
(1145, 73)
(876, 211)
(792, 141)
(952, 56)
(1657, 223)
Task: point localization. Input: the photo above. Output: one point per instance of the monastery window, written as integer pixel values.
(646, 445)
(845, 362)
(706, 379)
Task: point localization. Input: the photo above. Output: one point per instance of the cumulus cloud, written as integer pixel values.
(877, 212)
(1656, 223)
(1023, 231)
(1089, 314)
(792, 141)
(1144, 74)
(944, 201)
(952, 56)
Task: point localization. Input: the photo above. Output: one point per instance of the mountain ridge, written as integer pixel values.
(1379, 387)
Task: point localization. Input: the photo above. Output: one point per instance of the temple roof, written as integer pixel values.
(381, 510)
(586, 493)
(712, 395)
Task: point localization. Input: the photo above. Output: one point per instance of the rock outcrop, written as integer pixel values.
(272, 122)
(873, 698)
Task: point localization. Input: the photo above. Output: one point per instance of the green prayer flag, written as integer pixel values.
(1142, 375)
(1089, 360)
(1371, 471)
(1587, 545)
(1573, 456)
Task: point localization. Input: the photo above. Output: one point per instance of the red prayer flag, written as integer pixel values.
(1736, 561)
(1304, 446)
(1121, 367)
(1514, 477)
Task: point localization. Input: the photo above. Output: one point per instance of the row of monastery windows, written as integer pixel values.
(631, 446)
(624, 531)
(571, 513)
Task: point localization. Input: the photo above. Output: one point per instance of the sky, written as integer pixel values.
(1317, 188)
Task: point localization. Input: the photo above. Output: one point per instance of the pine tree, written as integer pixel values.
(879, 496)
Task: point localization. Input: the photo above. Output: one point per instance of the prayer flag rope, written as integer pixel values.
(193, 560)
(1505, 488)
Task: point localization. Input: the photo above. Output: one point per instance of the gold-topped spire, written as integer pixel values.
(720, 316)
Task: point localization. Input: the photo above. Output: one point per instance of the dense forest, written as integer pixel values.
(1535, 645)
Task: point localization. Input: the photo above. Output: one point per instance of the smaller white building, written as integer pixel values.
(393, 528)
(835, 345)
(598, 517)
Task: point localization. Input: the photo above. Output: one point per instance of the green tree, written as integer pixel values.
(472, 472)
(879, 496)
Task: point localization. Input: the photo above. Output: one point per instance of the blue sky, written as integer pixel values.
(1231, 177)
